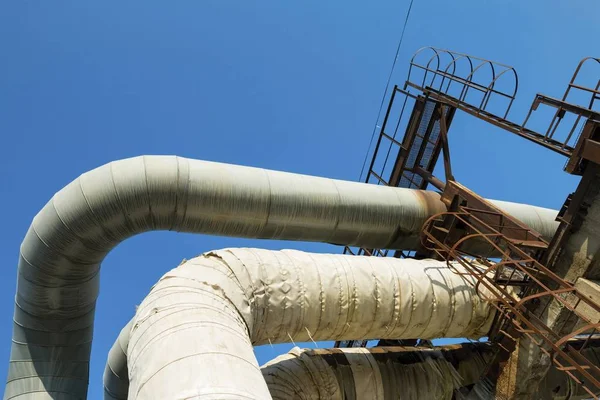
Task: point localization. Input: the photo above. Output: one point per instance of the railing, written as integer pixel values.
(580, 109)
(441, 79)
(517, 268)
(366, 252)
(441, 70)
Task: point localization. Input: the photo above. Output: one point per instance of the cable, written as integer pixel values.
(387, 85)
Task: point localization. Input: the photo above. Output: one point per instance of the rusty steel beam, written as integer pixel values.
(591, 151)
(516, 231)
(544, 282)
(575, 165)
(574, 252)
(500, 122)
(563, 105)
(428, 176)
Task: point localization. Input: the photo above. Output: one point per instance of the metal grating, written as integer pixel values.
(424, 145)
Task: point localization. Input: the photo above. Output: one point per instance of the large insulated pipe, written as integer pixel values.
(193, 335)
(468, 360)
(381, 373)
(116, 379)
(376, 373)
(61, 254)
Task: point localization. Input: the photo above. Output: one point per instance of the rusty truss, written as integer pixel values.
(507, 274)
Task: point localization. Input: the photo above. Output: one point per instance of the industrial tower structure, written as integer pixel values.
(554, 314)
(462, 266)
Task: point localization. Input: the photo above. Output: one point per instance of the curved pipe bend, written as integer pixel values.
(327, 373)
(68, 239)
(199, 323)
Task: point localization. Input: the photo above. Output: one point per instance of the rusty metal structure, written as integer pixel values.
(515, 268)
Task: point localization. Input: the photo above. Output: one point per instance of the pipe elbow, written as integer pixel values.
(213, 309)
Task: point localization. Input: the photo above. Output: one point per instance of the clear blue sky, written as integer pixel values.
(292, 86)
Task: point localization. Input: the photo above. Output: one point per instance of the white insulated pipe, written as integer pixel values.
(115, 379)
(380, 373)
(376, 373)
(193, 335)
(68, 239)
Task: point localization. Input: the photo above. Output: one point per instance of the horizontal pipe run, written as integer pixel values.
(58, 272)
(376, 373)
(199, 323)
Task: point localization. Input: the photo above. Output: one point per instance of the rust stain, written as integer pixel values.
(432, 201)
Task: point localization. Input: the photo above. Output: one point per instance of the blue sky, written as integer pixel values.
(293, 86)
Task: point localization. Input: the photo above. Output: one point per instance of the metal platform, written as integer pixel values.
(436, 83)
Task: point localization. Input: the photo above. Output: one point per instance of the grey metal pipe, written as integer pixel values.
(115, 378)
(61, 253)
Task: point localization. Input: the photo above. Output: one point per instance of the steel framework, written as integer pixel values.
(511, 265)
(517, 267)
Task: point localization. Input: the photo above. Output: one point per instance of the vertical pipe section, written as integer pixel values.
(116, 379)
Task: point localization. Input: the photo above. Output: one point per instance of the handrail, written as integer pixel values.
(446, 69)
(513, 308)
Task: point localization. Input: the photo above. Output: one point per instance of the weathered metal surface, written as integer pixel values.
(580, 111)
(590, 289)
(471, 218)
(571, 254)
(513, 229)
(540, 283)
